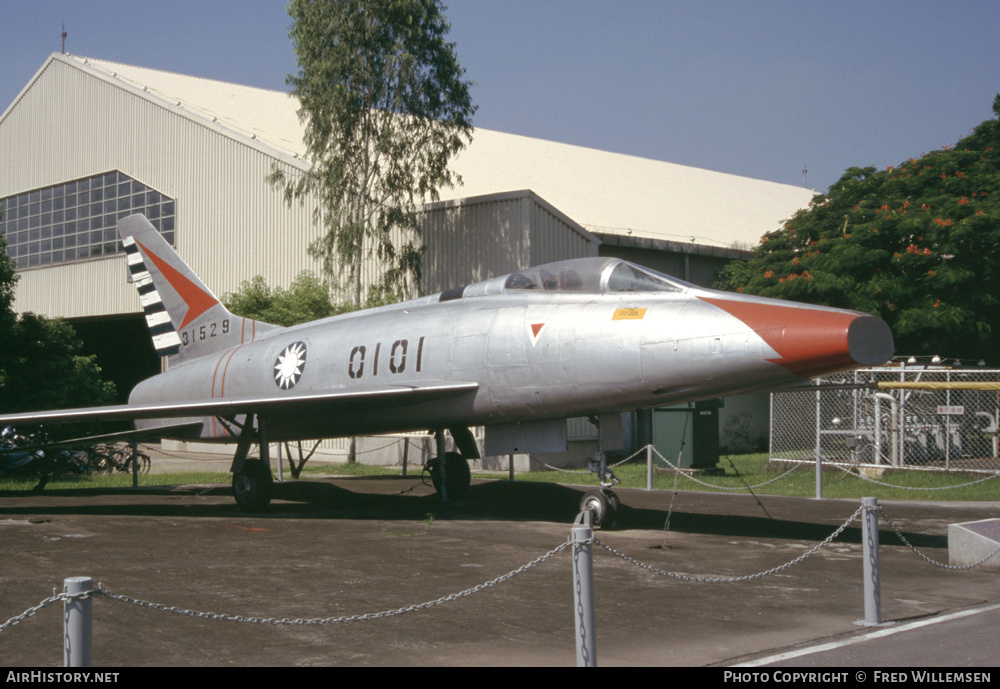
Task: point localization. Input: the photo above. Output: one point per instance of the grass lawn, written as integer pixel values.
(740, 471)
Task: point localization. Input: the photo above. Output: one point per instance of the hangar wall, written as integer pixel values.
(70, 123)
(74, 120)
(473, 239)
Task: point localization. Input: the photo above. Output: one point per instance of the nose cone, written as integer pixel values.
(813, 341)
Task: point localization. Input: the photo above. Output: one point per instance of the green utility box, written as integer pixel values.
(690, 432)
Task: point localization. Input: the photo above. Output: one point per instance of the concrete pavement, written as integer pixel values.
(344, 546)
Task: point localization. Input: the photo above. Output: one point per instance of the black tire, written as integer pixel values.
(99, 463)
(142, 460)
(252, 487)
(603, 506)
(459, 477)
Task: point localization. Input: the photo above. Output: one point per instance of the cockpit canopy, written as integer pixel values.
(578, 275)
(593, 275)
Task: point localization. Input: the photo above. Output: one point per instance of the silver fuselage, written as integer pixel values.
(534, 354)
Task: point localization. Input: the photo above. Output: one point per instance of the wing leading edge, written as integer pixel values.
(327, 402)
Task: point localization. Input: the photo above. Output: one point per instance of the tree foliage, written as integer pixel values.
(306, 299)
(41, 360)
(385, 108)
(917, 244)
(44, 368)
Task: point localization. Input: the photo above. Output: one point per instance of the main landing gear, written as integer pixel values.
(253, 486)
(457, 479)
(252, 481)
(452, 478)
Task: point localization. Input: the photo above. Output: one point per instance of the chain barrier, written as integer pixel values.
(65, 597)
(728, 580)
(924, 557)
(341, 619)
(678, 470)
(588, 471)
(892, 485)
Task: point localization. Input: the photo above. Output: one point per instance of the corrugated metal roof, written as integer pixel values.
(606, 192)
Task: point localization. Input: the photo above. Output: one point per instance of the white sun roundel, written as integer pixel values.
(289, 365)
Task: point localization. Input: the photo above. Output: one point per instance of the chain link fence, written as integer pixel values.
(892, 417)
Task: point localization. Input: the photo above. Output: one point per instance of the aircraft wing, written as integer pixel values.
(328, 401)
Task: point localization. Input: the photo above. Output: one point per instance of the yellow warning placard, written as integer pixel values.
(628, 314)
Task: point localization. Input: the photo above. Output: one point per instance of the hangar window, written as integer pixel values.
(77, 220)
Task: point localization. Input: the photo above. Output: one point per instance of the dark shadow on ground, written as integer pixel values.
(410, 498)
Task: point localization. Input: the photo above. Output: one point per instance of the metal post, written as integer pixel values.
(442, 473)
(878, 429)
(819, 449)
(135, 463)
(77, 623)
(873, 595)
(947, 425)
(406, 454)
(281, 468)
(510, 467)
(649, 467)
(583, 590)
(263, 441)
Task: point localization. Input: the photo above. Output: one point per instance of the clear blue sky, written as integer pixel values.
(754, 88)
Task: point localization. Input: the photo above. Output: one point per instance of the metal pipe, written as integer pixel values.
(873, 594)
(893, 425)
(77, 623)
(441, 469)
(819, 449)
(583, 590)
(649, 467)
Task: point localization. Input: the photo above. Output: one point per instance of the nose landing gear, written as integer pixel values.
(602, 503)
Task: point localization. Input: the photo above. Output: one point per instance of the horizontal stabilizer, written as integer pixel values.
(174, 430)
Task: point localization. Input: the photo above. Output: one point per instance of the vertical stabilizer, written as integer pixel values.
(185, 319)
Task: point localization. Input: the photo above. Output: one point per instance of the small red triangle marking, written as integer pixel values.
(536, 328)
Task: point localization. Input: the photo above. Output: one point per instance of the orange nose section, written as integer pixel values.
(810, 341)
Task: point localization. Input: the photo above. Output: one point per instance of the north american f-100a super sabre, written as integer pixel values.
(517, 354)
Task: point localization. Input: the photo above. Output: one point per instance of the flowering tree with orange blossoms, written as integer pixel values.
(917, 244)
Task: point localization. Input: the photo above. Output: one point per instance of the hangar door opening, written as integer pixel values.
(123, 347)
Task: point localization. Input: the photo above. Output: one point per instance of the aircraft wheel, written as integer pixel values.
(252, 487)
(603, 505)
(458, 475)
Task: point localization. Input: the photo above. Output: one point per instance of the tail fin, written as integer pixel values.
(185, 319)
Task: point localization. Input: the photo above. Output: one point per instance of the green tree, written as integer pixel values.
(46, 369)
(917, 244)
(385, 108)
(8, 281)
(306, 299)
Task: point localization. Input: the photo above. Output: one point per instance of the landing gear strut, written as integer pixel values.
(252, 481)
(458, 478)
(451, 477)
(603, 503)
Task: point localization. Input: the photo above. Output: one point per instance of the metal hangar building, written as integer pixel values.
(88, 141)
